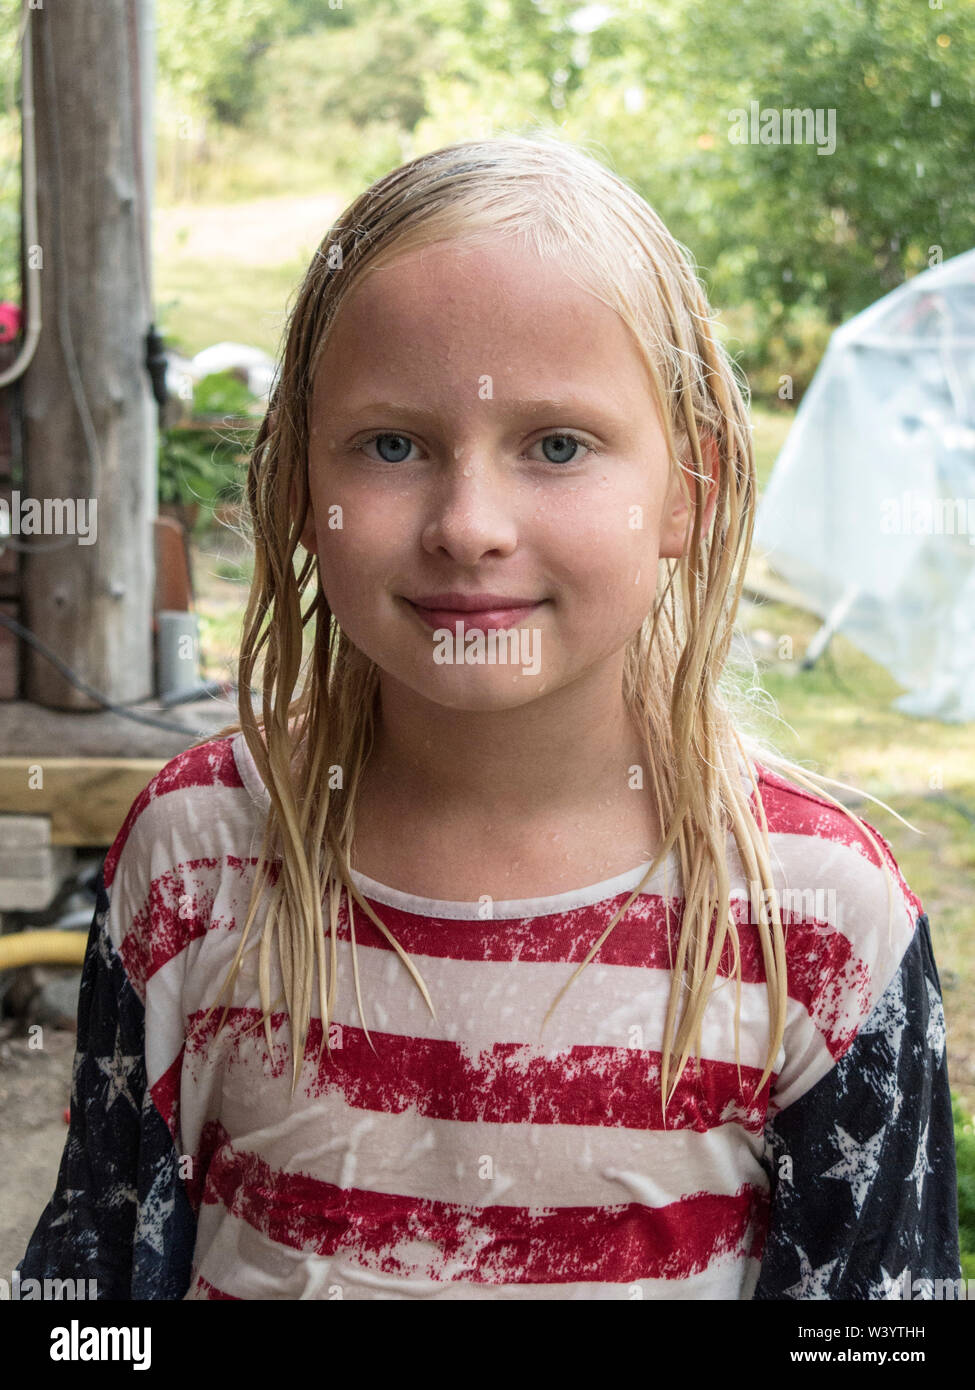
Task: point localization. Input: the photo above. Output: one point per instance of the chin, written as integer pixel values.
(509, 692)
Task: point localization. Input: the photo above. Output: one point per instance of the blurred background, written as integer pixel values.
(185, 159)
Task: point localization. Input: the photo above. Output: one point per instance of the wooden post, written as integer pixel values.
(89, 417)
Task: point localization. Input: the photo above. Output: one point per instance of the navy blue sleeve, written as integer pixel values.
(864, 1198)
(119, 1216)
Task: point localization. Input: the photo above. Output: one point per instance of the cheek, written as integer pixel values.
(347, 564)
(606, 543)
(356, 537)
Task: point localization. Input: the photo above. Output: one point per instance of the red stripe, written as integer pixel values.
(207, 765)
(489, 1244)
(165, 1093)
(641, 938)
(212, 1137)
(212, 1292)
(179, 910)
(504, 1084)
(823, 971)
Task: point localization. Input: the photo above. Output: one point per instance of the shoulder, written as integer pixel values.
(190, 835)
(818, 837)
(850, 919)
(201, 790)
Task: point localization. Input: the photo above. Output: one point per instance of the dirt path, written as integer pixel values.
(266, 231)
(35, 1088)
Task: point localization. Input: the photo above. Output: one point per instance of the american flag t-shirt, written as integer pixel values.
(473, 1154)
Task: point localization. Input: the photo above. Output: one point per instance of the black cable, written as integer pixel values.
(93, 694)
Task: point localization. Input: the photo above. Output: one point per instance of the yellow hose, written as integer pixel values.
(42, 948)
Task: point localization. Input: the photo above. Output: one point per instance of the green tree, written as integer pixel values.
(791, 225)
(209, 50)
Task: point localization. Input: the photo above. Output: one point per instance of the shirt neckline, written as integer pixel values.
(664, 881)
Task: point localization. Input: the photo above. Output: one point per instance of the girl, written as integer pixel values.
(501, 963)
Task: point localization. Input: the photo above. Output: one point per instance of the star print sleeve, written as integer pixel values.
(862, 1165)
(119, 1218)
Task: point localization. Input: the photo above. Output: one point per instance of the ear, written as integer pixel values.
(676, 525)
(307, 537)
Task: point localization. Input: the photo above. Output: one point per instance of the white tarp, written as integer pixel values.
(872, 499)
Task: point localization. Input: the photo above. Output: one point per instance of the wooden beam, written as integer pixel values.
(87, 799)
(89, 417)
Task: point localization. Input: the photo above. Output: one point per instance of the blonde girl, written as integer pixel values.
(491, 956)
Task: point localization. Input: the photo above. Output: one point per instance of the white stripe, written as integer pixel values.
(245, 1263)
(479, 1164)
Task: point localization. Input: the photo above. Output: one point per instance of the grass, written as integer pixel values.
(771, 428)
(204, 302)
(965, 1153)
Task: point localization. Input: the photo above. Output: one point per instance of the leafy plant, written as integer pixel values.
(204, 464)
(221, 393)
(965, 1154)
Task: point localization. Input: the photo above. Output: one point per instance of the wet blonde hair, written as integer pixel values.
(564, 204)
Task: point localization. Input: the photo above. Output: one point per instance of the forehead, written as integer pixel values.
(449, 314)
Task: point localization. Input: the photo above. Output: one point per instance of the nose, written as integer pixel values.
(471, 510)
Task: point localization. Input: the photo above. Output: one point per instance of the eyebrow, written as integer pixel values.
(508, 408)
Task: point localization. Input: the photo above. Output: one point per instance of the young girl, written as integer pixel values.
(500, 963)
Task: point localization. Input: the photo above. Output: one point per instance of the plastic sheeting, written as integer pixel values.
(872, 499)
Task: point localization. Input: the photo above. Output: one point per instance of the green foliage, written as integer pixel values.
(10, 247)
(206, 464)
(804, 240)
(777, 358)
(254, 93)
(789, 226)
(347, 75)
(800, 237)
(965, 1154)
(206, 50)
(221, 393)
(209, 51)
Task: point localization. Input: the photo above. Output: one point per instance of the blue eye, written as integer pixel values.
(563, 442)
(401, 446)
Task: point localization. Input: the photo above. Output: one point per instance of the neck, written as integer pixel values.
(570, 751)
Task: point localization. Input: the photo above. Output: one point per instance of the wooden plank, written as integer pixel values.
(87, 799)
(28, 730)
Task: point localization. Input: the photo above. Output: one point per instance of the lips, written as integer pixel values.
(474, 611)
